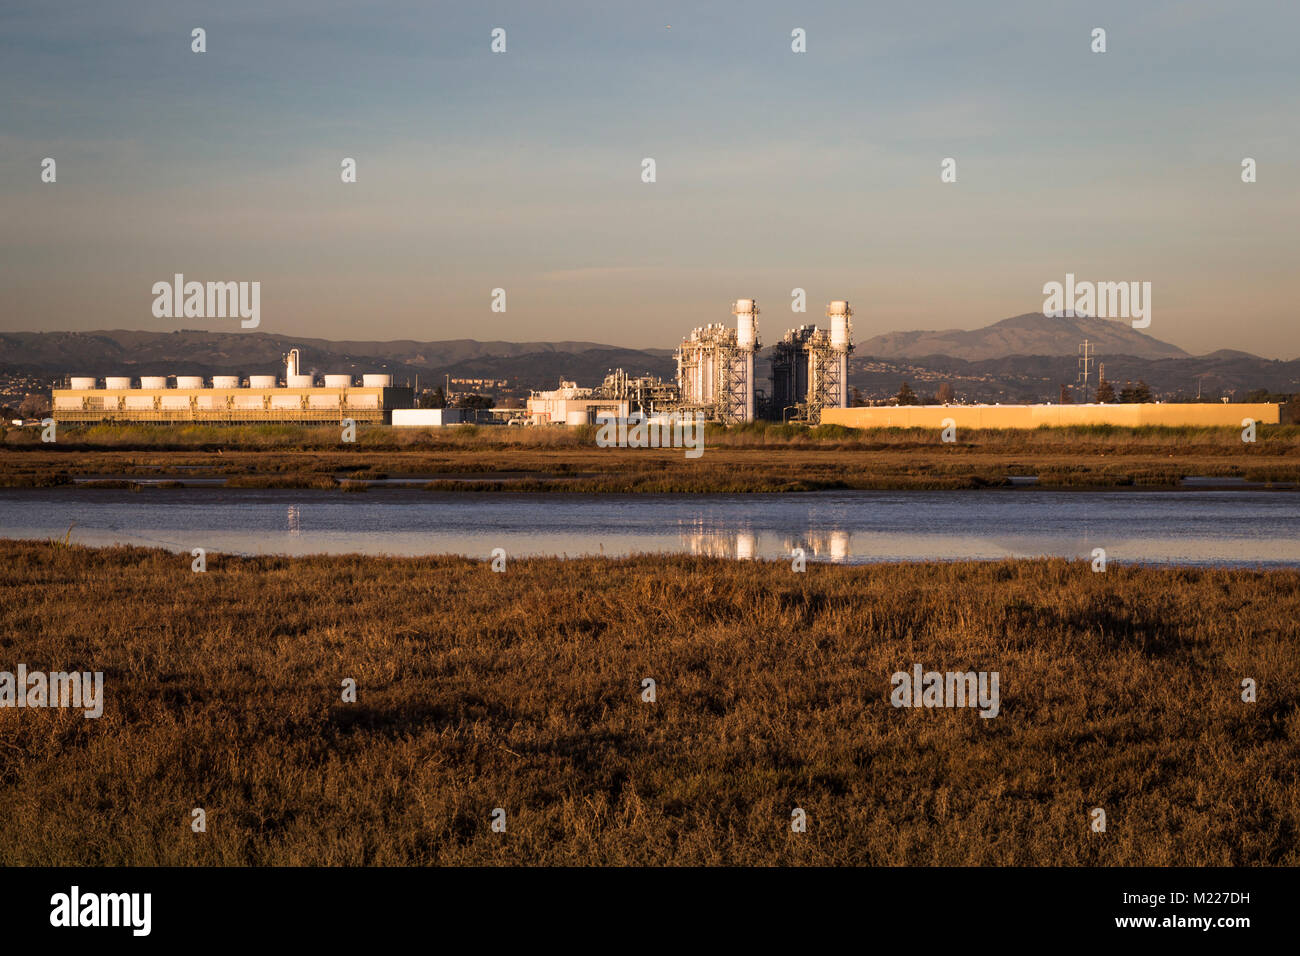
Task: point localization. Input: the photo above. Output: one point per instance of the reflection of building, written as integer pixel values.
(715, 367)
(810, 368)
(827, 545)
(227, 400)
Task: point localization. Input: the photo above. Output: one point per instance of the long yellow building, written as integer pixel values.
(373, 404)
(1034, 416)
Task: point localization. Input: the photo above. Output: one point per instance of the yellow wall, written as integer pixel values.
(1032, 416)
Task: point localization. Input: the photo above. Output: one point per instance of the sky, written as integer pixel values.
(775, 170)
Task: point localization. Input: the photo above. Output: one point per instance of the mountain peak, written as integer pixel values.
(1030, 333)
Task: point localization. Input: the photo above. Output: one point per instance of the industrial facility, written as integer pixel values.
(715, 368)
(230, 399)
(810, 368)
(715, 377)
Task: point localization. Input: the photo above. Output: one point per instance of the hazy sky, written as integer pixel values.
(522, 170)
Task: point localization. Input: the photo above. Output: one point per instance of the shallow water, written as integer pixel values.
(1180, 527)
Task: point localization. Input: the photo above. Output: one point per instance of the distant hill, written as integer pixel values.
(1028, 334)
(1024, 358)
(119, 352)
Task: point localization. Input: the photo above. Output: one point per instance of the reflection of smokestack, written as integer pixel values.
(744, 546)
(839, 545)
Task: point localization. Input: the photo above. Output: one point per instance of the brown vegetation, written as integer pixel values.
(522, 690)
(752, 458)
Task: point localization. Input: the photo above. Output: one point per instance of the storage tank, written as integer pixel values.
(262, 381)
(225, 381)
(83, 381)
(189, 381)
(338, 381)
(376, 380)
(153, 381)
(838, 312)
(117, 381)
(299, 381)
(575, 417)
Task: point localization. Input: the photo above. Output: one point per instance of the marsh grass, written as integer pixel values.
(522, 690)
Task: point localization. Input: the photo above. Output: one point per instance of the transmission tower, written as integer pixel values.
(1085, 366)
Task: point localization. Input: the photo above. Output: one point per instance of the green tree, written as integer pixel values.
(905, 395)
(1105, 393)
(433, 398)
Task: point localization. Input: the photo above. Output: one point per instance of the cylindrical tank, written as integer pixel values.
(299, 381)
(838, 312)
(376, 380)
(262, 381)
(575, 417)
(338, 381)
(153, 381)
(225, 381)
(117, 381)
(291, 364)
(82, 381)
(189, 381)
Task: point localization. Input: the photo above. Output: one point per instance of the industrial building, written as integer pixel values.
(230, 399)
(715, 368)
(1127, 415)
(810, 368)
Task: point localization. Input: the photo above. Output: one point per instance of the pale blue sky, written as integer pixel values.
(775, 169)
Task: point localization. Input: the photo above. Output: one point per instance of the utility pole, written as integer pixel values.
(1085, 364)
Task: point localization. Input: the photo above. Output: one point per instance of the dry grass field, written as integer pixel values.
(749, 458)
(522, 690)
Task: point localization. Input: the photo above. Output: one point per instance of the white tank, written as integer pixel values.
(262, 381)
(189, 381)
(376, 380)
(299, 381)
(338, 381)
(83, 381)
(117, 381)
(225, 381)
(575, 417)
(153, 381)
(838, 312)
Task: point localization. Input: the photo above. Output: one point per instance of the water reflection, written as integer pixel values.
(1202, 527)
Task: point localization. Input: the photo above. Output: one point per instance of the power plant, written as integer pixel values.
(810, 368)
(229, 401)
(715, 379)
(715, 368)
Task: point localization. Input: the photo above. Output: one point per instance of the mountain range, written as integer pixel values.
(1022, 358)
